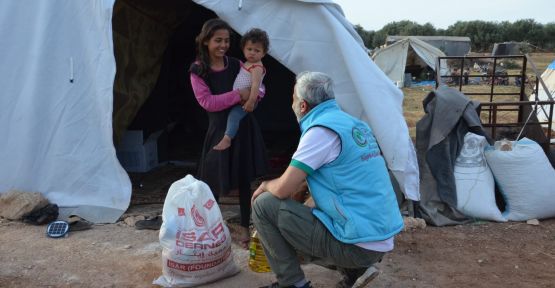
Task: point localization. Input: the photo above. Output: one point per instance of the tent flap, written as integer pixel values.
(548, 77)
(57, 93)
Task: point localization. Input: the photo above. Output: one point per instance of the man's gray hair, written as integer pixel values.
(314, 87)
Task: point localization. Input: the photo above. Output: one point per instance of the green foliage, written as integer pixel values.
(549, 30)
(483, 34)
(367, 36)
(526, 30)
(403, 28)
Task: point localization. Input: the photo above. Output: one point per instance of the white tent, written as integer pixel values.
(57, 77)
(392, 59)
(546, 93)
(57, 82)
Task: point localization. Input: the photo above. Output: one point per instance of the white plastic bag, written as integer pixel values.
(196, 243)
(474, 181)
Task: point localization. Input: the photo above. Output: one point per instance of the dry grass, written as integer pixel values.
(412, 103)
(542, 60)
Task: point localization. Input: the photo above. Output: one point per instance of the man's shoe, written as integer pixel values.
(357, 278)
(276, 285)
(368, 275)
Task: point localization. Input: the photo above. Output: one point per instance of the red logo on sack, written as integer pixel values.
(181, 211)
(209, 204)
(199, 221)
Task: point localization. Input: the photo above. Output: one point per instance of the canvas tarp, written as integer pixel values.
(450, 45)
(439, 140)
(508, 48)
(58, 133)
(546, 94)
(57, 79)
(392, 59)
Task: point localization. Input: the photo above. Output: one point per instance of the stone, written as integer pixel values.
(16, 204)
(412, 223)
(534, 222)
(131, 220)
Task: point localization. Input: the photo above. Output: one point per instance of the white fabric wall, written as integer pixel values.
(392, 60)
(57, 135)
(314, 35)
(548, 77)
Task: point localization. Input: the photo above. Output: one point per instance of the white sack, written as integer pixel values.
(196, 243)
(526, 179)
(474, 181)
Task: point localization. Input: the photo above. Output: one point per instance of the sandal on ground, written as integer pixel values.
(150, 224)
(77, 223)
(80, 226)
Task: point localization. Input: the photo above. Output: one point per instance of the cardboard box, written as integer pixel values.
(135, 155)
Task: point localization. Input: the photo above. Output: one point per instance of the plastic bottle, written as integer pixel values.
(257, 259)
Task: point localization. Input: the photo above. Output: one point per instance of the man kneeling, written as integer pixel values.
(355, 215)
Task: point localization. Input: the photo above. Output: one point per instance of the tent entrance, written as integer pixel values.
(154, 44)
(416, 69)
(407, 61)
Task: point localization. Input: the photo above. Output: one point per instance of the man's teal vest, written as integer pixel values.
(353, 193)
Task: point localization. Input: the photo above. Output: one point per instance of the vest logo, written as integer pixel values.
(360, 137)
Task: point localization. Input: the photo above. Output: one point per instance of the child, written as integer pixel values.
(255, 45)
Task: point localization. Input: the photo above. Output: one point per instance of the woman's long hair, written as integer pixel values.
(205, 34)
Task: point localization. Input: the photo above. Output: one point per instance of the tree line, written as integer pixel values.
(483, 34)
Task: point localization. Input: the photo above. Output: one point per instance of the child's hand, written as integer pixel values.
(244, 93)
(249, 106)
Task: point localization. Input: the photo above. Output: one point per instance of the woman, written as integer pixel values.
(212, 77)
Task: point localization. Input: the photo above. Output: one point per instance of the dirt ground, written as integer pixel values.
(481, 254)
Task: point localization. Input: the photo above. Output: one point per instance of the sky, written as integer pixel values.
(373, 15)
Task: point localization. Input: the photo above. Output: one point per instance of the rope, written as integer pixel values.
(529, 116)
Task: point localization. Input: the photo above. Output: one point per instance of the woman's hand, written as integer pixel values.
(249, 106)
(244, 93)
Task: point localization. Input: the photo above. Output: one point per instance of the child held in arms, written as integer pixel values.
(255, 44)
